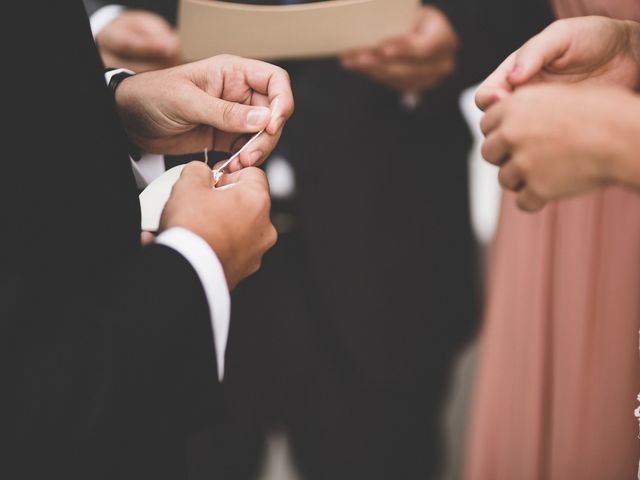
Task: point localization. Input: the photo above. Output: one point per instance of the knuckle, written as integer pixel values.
(541, 189)
(256, 265)
(272, 236)
(228, 112)
(195, 167)
(484, 126)
(507, 178)
(264, 198)
(502, 178)
(486, 151)
(284, 74)
(510, 132)
(559, 26)
(523, 202)
(261, 199)
(115, 41)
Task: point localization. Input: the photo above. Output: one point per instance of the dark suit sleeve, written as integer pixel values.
(107, 356)
(120, 365)
(491, 30)
(93, 6)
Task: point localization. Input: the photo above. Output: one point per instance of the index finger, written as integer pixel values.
(274, 83)
(249, 175)
(539, 52)
(497, 86)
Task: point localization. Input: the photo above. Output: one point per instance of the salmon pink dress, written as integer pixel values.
(559, 371)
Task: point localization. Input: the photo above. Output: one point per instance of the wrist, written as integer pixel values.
(118, 81)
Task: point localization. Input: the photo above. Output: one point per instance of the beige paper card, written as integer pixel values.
(279, 32)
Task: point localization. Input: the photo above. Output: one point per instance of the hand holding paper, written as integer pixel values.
(586, 49)
(411, 63)
(140, 41)
(212, 104)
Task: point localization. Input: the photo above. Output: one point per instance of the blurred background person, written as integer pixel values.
(559, 367)
(355, 321)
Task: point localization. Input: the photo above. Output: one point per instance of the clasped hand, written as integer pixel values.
(411, 63)
(552, 140)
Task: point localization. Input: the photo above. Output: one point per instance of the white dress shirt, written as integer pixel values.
(209, 269)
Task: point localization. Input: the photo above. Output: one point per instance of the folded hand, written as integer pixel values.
(596, 50)
(411, 63)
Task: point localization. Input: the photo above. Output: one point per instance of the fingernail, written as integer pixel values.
(258, 117)
(255, 157)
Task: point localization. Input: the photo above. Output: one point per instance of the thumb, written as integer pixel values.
(197, 173)
(230, 117)
(249, 175)
(537, 53)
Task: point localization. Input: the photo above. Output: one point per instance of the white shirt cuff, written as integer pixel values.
(103, 17)
(209, 269)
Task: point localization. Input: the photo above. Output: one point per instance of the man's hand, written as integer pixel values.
(233, 220)
(210, 104)
(597, 50)
(140, 41)
(555, 141)
(415, 62)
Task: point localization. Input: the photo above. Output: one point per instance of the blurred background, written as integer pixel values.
(485, 195)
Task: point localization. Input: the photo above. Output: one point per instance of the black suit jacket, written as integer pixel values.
(107, 357)
(385, 231)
